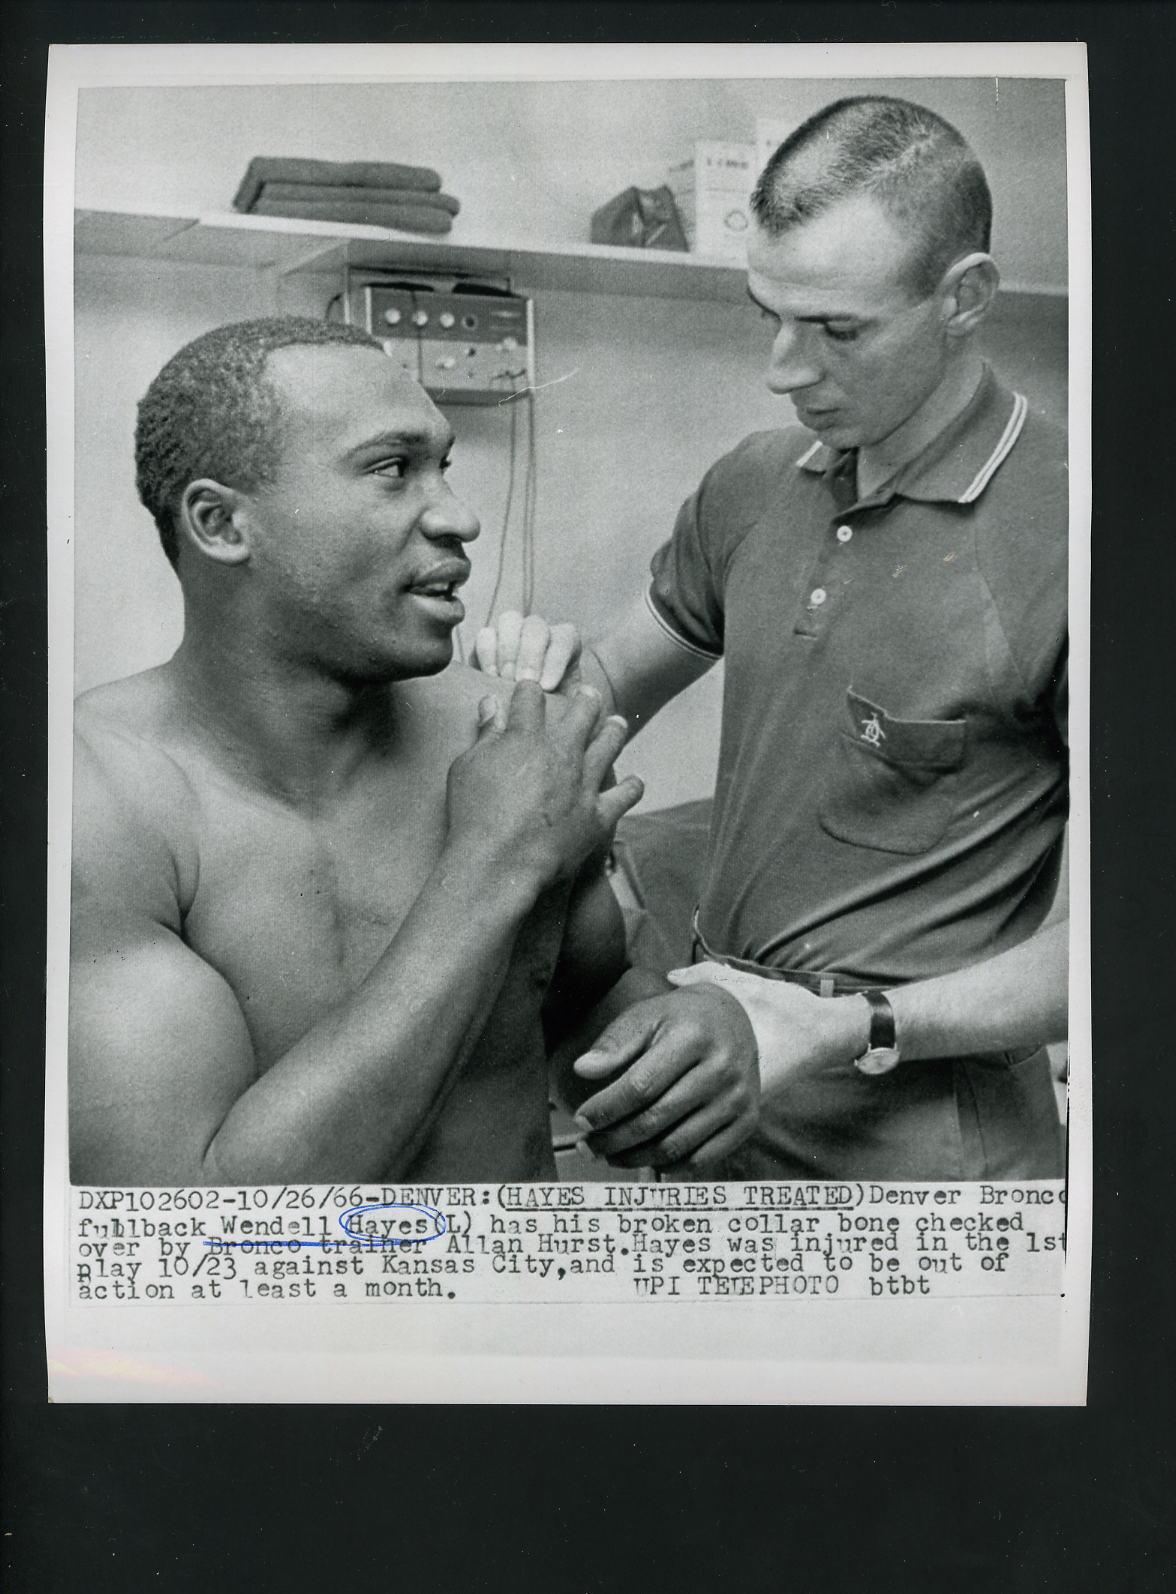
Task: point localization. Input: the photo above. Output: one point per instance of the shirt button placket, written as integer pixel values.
(820, 595)
(813, 615)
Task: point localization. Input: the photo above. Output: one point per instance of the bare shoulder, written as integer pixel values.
(137, 707)
(447, 704)
(131, 799)
(121, 738)
(466, 688)
(444, 708)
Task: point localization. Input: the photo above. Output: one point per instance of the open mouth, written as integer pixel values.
(435, 589)
(438, 591)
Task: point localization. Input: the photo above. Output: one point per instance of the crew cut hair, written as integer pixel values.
(916, 165)
(212, 411)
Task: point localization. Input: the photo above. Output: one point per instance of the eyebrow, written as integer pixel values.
(410, 437)
(828, 315)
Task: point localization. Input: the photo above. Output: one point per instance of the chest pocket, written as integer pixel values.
(892, 781)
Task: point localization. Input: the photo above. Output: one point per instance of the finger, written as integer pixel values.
(679, 1145)
(695, 974)
(533, 640)
(510, 629)
(717, 974)
(486, 650)
(603, 749)
(491, 716)
(621, 1042)
(667, 1052)
(613, 804)
(711, 1152)
(696, 1089)
(563, 649)
(528, 707)
(578, 716)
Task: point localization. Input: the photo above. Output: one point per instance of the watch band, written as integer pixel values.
(882, 1031)
(881, 1053)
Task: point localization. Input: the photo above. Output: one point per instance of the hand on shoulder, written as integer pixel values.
(515, 648)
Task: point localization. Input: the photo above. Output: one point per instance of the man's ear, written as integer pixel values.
(213, 519)
(967, 293)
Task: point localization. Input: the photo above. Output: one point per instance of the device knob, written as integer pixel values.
(447, 318)
(420, 318)
(392, 317)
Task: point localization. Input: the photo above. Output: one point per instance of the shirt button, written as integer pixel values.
(844, 533)
(817, 596)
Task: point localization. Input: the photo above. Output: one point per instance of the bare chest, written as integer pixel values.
(296, 911)
(295, 914)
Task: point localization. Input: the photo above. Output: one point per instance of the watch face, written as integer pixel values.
(878, 1060)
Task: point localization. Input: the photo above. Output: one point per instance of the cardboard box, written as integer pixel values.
(715, 166)
(711, 190)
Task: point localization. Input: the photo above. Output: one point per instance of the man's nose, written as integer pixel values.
(792, 364)
(448, 516)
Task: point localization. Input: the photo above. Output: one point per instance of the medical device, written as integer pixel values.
(466, 340)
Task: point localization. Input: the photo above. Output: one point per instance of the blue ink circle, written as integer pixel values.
(379, 1206)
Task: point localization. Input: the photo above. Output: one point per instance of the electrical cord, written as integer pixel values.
(530, 494)
(527, 550)
(512, 457)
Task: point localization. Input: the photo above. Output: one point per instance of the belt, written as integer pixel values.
(824, 983)
(820, 982)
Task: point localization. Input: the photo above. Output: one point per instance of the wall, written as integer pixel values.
(637, 396)
(535, 159)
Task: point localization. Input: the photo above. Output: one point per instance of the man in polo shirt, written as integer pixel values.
(887, 590)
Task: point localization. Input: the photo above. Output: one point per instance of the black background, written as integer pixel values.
(584, 1499)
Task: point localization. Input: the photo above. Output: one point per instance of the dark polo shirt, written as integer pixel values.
(892, 777)
(891, 793)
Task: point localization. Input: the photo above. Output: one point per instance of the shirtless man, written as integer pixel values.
(333, 905)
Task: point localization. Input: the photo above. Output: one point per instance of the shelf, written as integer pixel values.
(289, 246)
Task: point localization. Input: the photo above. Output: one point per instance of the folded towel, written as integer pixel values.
(404, 218)
(352, 174)
(339, 193)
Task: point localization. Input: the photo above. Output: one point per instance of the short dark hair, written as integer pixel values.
(916, 165)
(212, 411)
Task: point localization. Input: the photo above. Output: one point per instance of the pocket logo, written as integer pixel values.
(872, 731)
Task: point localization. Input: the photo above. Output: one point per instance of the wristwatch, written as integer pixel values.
(881, 1053)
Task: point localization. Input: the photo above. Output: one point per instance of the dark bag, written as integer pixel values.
(640, 218)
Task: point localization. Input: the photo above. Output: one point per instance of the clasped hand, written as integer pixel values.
(689, 1092)
(529, 792)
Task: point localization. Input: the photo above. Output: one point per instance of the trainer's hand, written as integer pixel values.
(530, 650)
(798, 1035)
(690, 1092)
(530, 795)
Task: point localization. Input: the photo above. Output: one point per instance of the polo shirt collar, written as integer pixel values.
(956, 466)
